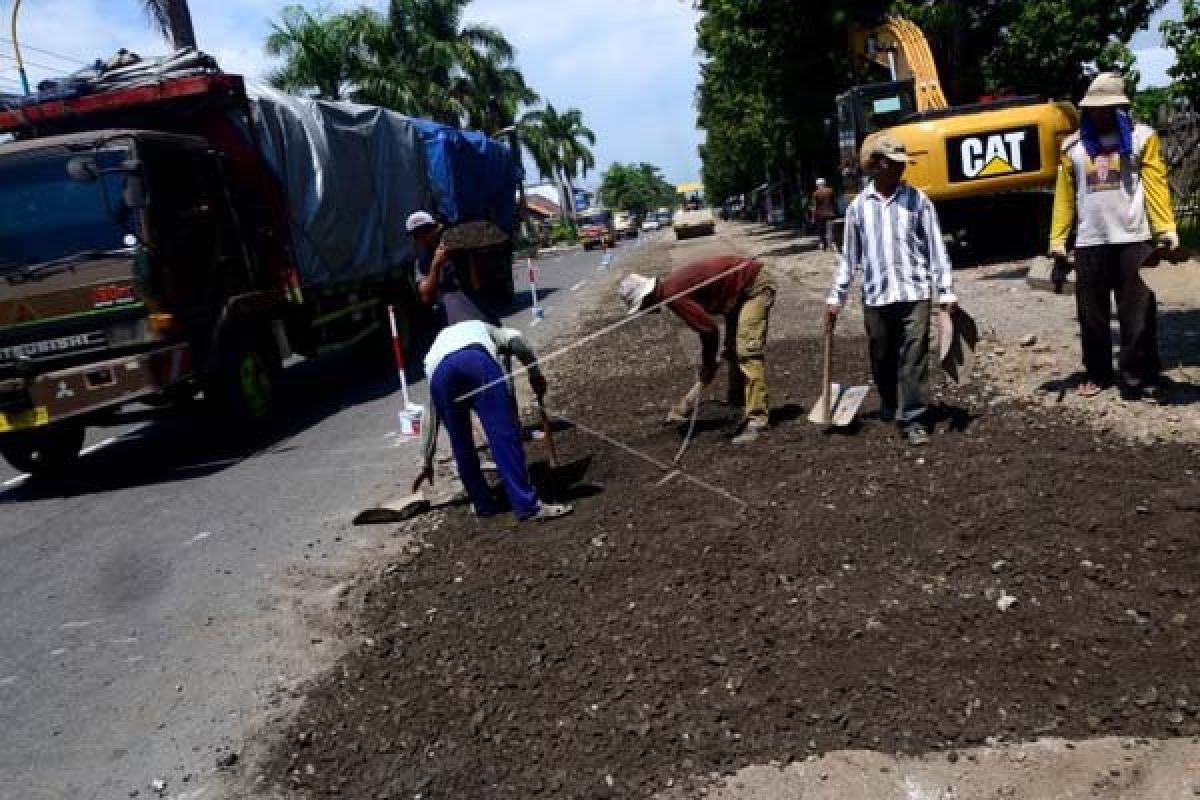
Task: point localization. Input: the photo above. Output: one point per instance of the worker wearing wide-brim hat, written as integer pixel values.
(741, 291)
(1112, 189)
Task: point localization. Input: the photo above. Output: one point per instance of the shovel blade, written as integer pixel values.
(847, 405)
(817, 415)
(843, 406)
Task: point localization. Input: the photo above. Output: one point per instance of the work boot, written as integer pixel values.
(750, 433)
(550, 511)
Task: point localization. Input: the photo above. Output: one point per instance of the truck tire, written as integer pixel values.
(245, 382)
(43, 451)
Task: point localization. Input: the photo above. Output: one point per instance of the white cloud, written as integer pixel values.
(629, 65)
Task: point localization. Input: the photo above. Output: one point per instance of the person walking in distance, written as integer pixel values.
(894, 238)
(824, 208)
(1112, 189)
(741, 291)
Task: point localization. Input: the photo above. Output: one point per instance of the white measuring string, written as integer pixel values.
(665, 467)
(591, 337)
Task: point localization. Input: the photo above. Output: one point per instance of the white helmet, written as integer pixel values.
(419, 219)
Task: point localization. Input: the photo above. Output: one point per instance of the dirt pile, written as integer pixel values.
(1022, 576)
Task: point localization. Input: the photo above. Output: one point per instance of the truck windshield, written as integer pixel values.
(595, 219)
(45, 215)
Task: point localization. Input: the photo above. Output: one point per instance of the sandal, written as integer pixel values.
(1088, 389)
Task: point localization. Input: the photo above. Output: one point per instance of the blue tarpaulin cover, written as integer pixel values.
(473, 177)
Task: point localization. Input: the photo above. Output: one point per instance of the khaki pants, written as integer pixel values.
(745, 348)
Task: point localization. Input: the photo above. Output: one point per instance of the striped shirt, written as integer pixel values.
(897, 243)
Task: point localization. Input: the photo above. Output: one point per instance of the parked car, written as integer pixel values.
(651, 223)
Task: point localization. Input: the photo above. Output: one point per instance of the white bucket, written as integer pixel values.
(411, 419)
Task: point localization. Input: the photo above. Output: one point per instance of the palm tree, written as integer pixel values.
(320, 52)
(173, 19)
(454, 73)
(416, 58)
(560, 146)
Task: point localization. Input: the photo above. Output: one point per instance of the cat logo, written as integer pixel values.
(993, 154)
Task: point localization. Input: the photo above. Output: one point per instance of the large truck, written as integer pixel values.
(175, 231)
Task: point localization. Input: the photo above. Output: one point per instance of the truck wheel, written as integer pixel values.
(43, 451)
(246, 384)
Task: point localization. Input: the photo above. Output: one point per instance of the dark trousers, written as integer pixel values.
(461, 373)
(822, 226)
(1112, 270)
(898, 343)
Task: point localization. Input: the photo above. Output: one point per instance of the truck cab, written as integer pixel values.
(596, 228)
(119, 251)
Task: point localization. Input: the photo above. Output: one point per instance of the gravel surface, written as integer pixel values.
(1022, 576)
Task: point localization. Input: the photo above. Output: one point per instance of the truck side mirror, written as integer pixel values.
(82, 169)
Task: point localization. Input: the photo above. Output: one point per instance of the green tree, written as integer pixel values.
(417, 57)
(1026, 46)
(636, 187)
(173, 19)
(560, 145)
(321, 53)
(1183, 36)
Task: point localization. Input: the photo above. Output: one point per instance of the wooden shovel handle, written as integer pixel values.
(827, 376)
(549, 433)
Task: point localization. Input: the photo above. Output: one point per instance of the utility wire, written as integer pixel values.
(37, 64)
(51, 53)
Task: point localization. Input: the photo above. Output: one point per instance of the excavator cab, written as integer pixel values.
(864, 110)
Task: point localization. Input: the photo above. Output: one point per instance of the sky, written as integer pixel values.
(630, 66)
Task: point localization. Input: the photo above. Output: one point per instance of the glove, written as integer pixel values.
(1169, 241)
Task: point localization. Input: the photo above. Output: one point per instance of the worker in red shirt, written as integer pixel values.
(741, 291)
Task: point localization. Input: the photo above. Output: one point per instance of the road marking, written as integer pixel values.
(16, 480)
(126, 640)
(9, 681)
(199, 537)
(87, 623)
(134, 659)
(578, 286)
(98, 446)
(58, 652)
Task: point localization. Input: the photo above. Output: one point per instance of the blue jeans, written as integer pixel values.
(463, 372)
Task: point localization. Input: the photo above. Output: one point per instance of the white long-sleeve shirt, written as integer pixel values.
(897, 243)
(495, 341)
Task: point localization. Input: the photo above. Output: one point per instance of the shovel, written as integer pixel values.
(837, 405)
(548, 431)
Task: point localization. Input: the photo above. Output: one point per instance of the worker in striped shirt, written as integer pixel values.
(893, 237)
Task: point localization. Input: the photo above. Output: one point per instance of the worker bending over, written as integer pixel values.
(894, 238)
(739, 290)
(1112, 186)
(465, 375)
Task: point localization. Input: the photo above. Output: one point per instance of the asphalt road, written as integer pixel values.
(155, 605)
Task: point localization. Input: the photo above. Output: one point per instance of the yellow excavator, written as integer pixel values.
(979, 163)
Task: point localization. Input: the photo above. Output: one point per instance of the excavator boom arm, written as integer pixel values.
(901, 47)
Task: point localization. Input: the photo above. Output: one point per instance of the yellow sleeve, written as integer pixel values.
(1064, 204)
(1158, 191)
